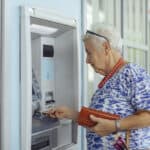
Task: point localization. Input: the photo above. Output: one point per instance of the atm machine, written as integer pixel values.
(50, 59)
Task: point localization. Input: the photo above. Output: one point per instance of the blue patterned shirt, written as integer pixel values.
(125, 93)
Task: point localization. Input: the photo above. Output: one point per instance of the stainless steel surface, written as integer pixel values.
(42, 123)
(35, 106)
(44, 132)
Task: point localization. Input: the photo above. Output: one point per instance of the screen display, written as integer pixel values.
(48, 51)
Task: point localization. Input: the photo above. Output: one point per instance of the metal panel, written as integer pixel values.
(0, 64)
(52, 16)
(26, 81)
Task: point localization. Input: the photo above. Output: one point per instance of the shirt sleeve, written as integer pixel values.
(141, 91)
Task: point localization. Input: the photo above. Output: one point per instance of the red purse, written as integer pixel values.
(84, 116)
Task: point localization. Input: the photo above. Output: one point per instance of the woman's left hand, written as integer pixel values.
(103, 127)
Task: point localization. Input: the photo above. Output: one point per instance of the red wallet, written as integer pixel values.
(84, 116)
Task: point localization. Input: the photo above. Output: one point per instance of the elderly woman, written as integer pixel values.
(124, 90)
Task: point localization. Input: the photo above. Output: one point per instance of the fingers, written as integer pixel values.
(94, 119)
(59, 115)
(52, 113)
(102, 127)
(55, 113)
(59, 112)
(96, 128)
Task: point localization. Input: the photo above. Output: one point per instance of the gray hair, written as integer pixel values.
(109, 32)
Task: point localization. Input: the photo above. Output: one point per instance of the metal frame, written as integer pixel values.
(84, 71)
(26, 81)
(148, 36)
(26, 66)
(0, 64)
(4, 74)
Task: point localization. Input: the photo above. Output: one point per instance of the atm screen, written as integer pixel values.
(48, 51)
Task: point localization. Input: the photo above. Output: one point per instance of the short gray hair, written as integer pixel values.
(110, 33)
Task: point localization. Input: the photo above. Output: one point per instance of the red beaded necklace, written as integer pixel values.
(118, 65)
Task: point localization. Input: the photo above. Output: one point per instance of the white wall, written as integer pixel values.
(11, 106)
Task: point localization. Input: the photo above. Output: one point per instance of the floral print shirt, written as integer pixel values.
(126, 92)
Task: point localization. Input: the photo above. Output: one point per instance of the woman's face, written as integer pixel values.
(95, 56)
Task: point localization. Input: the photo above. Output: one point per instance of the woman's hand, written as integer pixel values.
(63, 112)
(103, 127)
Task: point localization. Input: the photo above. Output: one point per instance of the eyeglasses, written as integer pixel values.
(90, 32)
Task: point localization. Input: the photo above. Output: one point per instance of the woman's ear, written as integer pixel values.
(106, 47)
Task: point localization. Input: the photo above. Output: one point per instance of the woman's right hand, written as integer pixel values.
(63, 112)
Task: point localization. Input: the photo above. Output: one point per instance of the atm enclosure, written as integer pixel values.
(50, 49)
